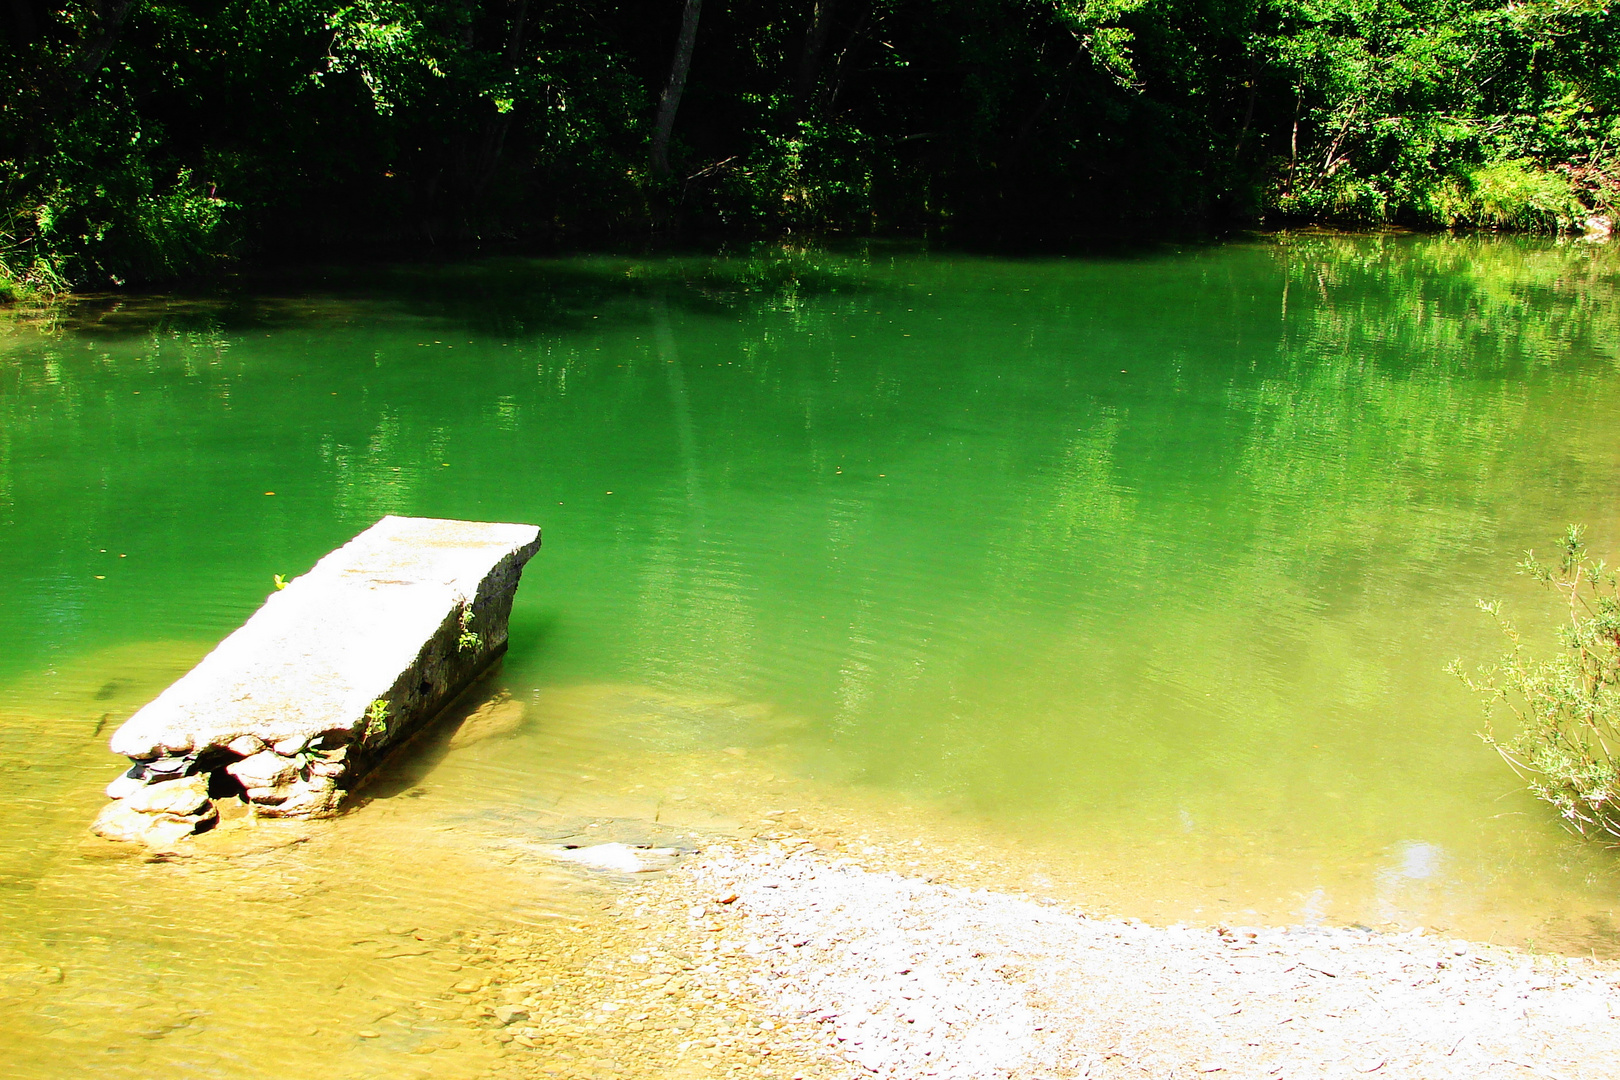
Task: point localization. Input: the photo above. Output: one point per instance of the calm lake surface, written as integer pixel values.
(1141, 569)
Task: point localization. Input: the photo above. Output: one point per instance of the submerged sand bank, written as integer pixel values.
(818, 931)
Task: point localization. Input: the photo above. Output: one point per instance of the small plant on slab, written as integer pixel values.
(376, 718)
(469, 639)
(1567, 705)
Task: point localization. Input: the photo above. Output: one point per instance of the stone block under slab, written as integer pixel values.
(295, 707)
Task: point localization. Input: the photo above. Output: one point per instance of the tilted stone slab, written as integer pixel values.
(295, 707)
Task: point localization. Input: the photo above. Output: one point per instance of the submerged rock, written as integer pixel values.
(510, 1014)
(121, 821)
(181, 798)
(314, 796)
(334, 672)
(500, 716)
(621, 858)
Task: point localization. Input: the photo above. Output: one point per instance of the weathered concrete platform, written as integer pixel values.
(295, 707)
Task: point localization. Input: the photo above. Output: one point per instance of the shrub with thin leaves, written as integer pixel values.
(1568, 704)
(1509, 195)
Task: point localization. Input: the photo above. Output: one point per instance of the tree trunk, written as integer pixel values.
(81, 71)
(111, 19)
(514, 44)
(495, 128)
(850, 43)
(478, 151)
(815, 42)
(671, 100)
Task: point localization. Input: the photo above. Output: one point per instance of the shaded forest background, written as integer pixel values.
(150, 139)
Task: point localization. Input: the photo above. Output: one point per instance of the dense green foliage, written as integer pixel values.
(1567, 707)
(141, 139)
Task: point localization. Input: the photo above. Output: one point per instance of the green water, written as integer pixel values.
(1144, 565)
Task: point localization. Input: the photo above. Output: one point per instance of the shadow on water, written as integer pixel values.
(494, 297)
(484, 710)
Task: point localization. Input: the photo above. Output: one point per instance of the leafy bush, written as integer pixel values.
(1567, 705)
(26, 271)
(1509, 195)
(123, 226)
(814, 176)
(148, 141)
(1345, 198)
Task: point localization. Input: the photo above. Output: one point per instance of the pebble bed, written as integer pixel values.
(775, 959)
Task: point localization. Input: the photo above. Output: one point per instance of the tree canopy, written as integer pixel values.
(145, 139)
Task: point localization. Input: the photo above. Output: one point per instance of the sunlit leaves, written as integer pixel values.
(1405, 108)
(387, 44)
(1095, 24)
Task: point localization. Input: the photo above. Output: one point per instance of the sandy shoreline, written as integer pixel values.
(808, 931)
(773, 959)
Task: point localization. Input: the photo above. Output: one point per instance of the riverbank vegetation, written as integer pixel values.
(150, 139)
(1566, 707)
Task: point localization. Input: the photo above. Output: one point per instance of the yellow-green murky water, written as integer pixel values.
(1134, 575)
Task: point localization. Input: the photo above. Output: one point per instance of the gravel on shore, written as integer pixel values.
(769, 959)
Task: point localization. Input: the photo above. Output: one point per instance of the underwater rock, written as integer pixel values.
(313, 796)
(333, 672)
(510, 1014)
(621, 858)
(501, 715)
(121, 821)
(181, 798)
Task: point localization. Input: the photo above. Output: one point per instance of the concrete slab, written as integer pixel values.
(342, 665)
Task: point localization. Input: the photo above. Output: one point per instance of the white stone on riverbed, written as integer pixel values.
(620, 858)
(336, 669)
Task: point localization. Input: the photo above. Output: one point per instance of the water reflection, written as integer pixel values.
(1416, 869)
(1149, 563)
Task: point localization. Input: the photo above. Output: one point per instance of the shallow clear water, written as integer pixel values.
(1143, 566)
